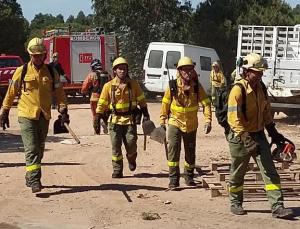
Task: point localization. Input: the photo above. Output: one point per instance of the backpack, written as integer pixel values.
(24, 71)
(99, 81)
(221, 104)
(174, 89)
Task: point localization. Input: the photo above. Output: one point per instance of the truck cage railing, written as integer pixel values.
(270, 41)
(66, 31)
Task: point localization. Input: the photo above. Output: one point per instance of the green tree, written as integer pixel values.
(215, 23)
(296, 13)
(82, 19)
(60, 18)
(70, 19)
(13, 27)
(139, 22)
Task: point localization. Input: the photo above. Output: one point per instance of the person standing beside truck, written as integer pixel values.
(217, 80)
(57, 66)
(121, 96)
(248, 114)
(34, 82)
(93, 84)
(179, 109)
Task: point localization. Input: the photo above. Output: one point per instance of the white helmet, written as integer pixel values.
(255, 62)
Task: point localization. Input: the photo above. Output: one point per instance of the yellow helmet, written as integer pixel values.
(36, 46)
(255, 62)
(118, 61)
(55, 55)
(185, 61)
(215, 64)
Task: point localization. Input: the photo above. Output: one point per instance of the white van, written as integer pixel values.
(163, 55)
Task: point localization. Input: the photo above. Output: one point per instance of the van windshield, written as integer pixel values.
(155, 59)
(172, 59)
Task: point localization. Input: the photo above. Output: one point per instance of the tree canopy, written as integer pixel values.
(13, 27)
(214, 23)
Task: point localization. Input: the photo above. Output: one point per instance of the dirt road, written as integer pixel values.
(80, 193)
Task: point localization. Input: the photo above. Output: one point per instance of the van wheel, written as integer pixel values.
(150, 95)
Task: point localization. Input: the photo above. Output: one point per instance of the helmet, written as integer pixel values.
(36, 46)
(284, 151)
(96, 65)
(55, 55)
(215, 64)
(185, 61)
(118, 61)
(255, 62)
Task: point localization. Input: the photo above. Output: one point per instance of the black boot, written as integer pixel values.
(189, 181)
(237, 209)
(117, 174)
(36, 187)
(132, 166)
(173, 184)
(174, 175)
(283, 213)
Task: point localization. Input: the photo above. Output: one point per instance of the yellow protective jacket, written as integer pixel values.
(217, 79)
(181, 110)
(121, 101)
(38, 92)
(258, 112)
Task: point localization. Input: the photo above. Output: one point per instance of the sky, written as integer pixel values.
(71, 7)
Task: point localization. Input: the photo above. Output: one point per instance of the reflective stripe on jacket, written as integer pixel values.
(38, 92)
(182, 110)
(122, 100)
(258, 112)
(217, 79)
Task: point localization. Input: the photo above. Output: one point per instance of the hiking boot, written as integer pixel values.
(36, 187)
(189, 181)
(237, 210)
(283, 213)
(173, 184)
(132, 166)
(29, 186)
(117, 174)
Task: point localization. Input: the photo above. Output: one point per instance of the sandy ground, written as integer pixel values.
(80, 193)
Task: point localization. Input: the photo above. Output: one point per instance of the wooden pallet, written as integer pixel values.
(216, 179)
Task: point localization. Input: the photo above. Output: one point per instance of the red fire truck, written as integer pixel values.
(77, 50)
(8, 65)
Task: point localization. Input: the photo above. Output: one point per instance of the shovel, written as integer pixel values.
(148, 126)
(159, 135)
(58, 129)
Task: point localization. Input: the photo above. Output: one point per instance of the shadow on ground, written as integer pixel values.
(12, 142)
(9, 165)
(103, 187)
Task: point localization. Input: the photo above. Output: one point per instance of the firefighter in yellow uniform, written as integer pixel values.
(122, 96)
(179, 109)
(34, 107)
(248, 114)
(217, 80)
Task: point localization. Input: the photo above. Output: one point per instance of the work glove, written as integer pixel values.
(65, 118)
(97, 123)
(249, 144)
(276, 137)
(207, 127)
(4, 120)
(145, 113)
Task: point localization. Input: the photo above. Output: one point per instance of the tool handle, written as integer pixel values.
(145, 142)
(166, 148)
(72, 133)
